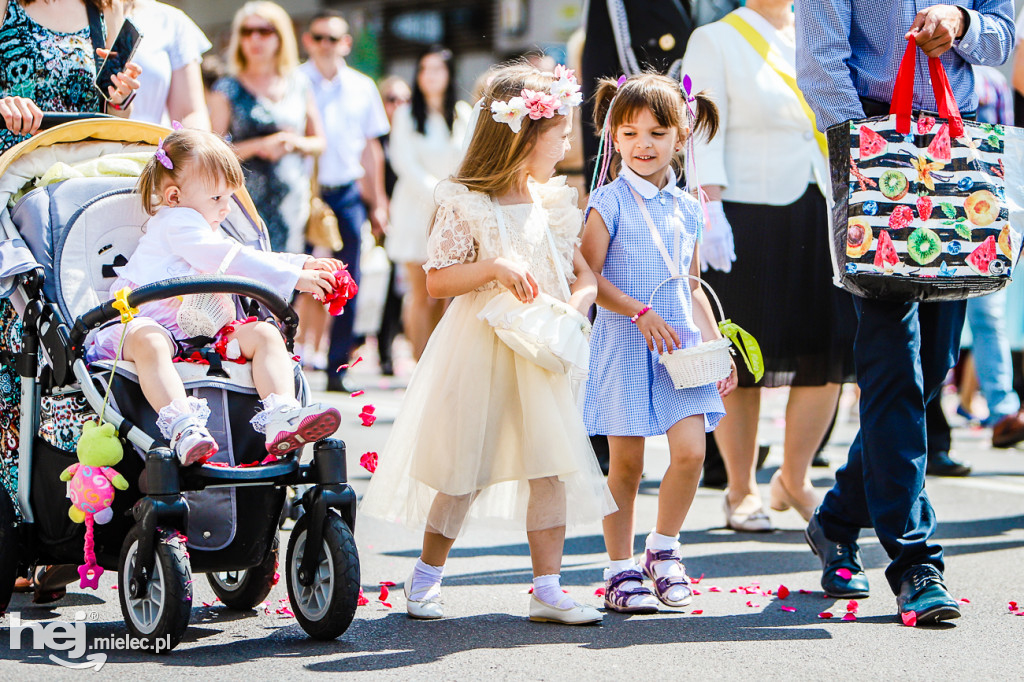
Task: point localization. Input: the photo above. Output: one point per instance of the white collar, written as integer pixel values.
(318, 77)
(647, 189)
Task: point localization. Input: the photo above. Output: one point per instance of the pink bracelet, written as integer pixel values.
(637, 316)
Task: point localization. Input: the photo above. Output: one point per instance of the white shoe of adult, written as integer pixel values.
(748, 516)
(422, 609)
(289, 428)
(577, 614)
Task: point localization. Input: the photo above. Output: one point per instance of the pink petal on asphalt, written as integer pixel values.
(696, 593)
(733, 590)
(696, 581)
(697, 612)
(356, 394)
(788, 609)
(1012, 605)
(850, 616)
(387, 583)
(824, 614)
(599, 592)
(783, 592)
(714, 588)
(357, 361)
(852, 606)
(805, 591)
(910, 618)
(341, 367)
(385, 604)
(383, 593)
(965, 601)
(844, 573)
(363, 601)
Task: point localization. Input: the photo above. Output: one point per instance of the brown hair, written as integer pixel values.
(658, 94)
(496, 157)
(276, 16)
(191, 153)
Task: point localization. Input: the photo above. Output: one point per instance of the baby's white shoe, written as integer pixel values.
(193, 443)
(574, 614)
(289, 427)
(427, 608)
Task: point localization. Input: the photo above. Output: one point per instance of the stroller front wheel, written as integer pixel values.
(160, 614)
(326, 607)
(245, 588)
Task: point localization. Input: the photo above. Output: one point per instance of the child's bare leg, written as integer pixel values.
(546, 510)
(626, 465)
(272, 370)
(149, 347)
(678, 487)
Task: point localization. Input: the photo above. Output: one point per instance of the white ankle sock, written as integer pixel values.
(272, 402)
(661, 543)
(426, 581)
(548, 589)
(616, 567)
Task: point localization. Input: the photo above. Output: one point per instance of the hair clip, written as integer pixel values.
(622, 81)
(175, 125)
(162, 157)
(687, 85)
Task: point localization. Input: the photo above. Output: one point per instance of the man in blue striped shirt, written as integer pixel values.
(848, 53)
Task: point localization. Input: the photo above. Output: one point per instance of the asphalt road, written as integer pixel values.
(741, 634)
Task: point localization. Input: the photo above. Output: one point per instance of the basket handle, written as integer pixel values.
(707, 287)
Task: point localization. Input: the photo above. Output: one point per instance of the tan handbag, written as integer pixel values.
(322, 229)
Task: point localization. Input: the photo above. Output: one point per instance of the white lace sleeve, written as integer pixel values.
(450, 241)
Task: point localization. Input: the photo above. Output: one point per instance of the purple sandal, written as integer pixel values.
(617, 597)
(664, 584)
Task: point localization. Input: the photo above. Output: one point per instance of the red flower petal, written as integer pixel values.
(733, 590)
(909, 618)
(368, 419)
(363, 601)
(341, 367)
(277, 578)
(356, 394)
(696, 593)
(852, 606)
(965, 601)
(753, 605)
(369, 462)
(383, 593)
(714, 588)
(697, 612)
(844, 573)
(387, 583)
(805, 591)
(696, 581)
(385, 604)
(1013, 606)
(788, 609)
(850, 616)
(783, 592)
(824, 614)
(599, 592)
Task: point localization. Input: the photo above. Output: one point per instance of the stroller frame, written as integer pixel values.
(161, 513)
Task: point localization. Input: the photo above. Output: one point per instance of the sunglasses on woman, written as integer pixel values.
(261, 31)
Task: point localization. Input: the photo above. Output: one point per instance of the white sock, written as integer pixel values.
(426, 581)
(180, 413)
(661, 543)
(272, 403)
(548, 589)
(616, 567)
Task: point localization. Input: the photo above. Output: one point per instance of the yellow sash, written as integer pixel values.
(779, 65)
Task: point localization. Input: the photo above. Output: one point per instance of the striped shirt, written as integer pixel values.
(848, 49)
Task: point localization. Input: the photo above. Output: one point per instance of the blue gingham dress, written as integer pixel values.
(629, 393)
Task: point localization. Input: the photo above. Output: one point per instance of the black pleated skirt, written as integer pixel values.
(780, 290)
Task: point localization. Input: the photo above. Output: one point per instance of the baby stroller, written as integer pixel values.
(59, 245)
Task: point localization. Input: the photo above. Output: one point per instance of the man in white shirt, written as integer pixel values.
(351, 170)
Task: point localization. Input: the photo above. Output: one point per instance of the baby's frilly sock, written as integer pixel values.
(271, 404)
(548, 589)
(426, 581)
(180, 413)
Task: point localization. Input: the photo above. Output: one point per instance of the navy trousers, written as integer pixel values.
(902, 352)
(347, 205)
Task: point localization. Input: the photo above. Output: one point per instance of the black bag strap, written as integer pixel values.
(95, 31)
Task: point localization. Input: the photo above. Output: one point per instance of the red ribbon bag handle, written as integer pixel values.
(903, 93)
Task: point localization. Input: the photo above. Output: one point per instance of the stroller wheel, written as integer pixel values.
(9, 547)
(160, 614)
(245, 588)
(325, 608)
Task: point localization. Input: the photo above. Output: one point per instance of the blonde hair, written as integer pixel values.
(192, 153)
(287, 50)
(658, 94)
(496, 157)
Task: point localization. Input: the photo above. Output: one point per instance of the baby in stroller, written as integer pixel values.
(187, 187)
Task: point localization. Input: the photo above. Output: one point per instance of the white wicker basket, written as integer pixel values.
(703, 364)
(205, 314)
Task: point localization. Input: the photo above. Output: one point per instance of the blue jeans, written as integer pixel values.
(902, 352)
(347, 205)
(986, 316)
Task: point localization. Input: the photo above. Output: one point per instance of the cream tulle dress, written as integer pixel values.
(482, 429)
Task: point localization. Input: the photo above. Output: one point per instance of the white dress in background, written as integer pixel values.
(420, 162)
(478, 421)
(170, 41)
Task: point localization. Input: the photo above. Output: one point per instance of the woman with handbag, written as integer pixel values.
(484, 430)
(426, 146)
(765, 173)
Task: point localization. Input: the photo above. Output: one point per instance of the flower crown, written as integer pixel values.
(565, 93)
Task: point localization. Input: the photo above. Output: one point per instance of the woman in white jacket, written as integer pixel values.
(765, 174)
(426, 147)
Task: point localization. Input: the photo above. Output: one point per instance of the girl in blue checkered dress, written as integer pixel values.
(640, 230)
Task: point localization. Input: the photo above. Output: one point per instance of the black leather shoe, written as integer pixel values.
(834, 557)
(923, 592)
(941, 464)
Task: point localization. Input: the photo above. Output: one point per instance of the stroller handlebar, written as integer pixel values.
(52, 119)
(182, 286)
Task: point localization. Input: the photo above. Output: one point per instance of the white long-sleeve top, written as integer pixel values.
(765, 151)
(420, 161)
(178, 242)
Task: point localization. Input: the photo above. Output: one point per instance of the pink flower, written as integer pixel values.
(369, 461)
(564, 72)
(540, 104)
(345, 290)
